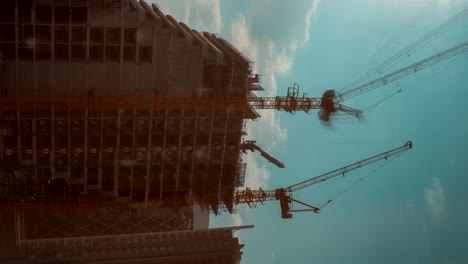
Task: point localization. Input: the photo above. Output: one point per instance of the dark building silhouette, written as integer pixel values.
(79, 157)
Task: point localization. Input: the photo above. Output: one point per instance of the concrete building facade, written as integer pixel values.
(93, 49)
(96, 171)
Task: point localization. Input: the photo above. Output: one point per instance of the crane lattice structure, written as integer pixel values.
(252, 146)
(284, 195)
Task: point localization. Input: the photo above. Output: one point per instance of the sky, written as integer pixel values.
(413, 209)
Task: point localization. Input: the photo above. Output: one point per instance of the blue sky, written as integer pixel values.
(413, 210)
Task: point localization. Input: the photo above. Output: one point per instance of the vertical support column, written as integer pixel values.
(137, 48)
(85, 151)
(193, 155)
(52, 142)
(151, 113)
(179, 153)
(51, 77)
(131, 182)
(19, 227)
(86, 111)
(210, 138)
(100, 151)
(117, 155)
(69, 92)
(69, 52)
(122, 23)
(68, 139)
(163, 157)
(34, 138)
(117, 149)
(18, 94)
(33, 12)
(133, 153)
(208, 155)
(226, 114)
(52, 41)
(148, 157)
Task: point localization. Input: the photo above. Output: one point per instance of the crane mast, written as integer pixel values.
(284, 195)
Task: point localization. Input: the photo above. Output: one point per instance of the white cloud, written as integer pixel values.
(242, 40)
(293, 45)
(236, 219)
(209, 15)
(283, 62)
(173, 8)
(309, 15)
(256, 175)
(205, 13)
(435, 197)
(187, 13)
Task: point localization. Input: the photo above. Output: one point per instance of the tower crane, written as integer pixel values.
(285, 195)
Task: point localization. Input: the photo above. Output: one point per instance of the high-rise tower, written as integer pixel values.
(99, 170)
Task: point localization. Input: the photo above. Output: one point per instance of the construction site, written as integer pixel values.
(122, 130)
(72, 166)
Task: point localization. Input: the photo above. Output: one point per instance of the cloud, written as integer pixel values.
(256, 175)
(209, 15)
(283, 62)
(242, 40)
(173, 8)
(236, 219)
(187, 13)
(309, 15)
(435, 197)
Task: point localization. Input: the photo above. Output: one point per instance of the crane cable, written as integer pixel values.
(387, 45)
(428, 75)
(424, 40)
(356, 182)
(384, 99)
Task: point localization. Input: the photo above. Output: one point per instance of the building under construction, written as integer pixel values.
(86, 163)
(94, 49)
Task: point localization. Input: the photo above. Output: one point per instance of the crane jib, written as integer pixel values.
(343, 170)
(418, 44)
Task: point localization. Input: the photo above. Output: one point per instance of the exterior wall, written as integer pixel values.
(121, 49)
(116, 48)
(87, 175)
